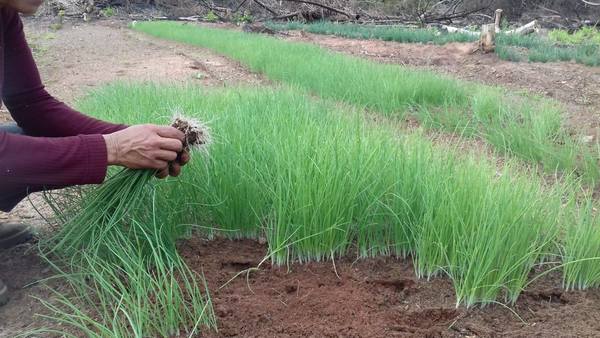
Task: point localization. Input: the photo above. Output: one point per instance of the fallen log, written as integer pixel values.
(525, 29)
(193, 18)
(450, 29)
(383, 22)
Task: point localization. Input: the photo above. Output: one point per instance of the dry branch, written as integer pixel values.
(590, 3)
(335, 10)
(237, 8)
(286, 16)
(258, 2)
(213, 7)
(451, 13)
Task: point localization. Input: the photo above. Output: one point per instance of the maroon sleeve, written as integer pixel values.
(34, 110)
(63, 148)
(29, 164)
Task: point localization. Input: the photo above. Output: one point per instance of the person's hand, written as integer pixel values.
(147, 147)
(174, 168)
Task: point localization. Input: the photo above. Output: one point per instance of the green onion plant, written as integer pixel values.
(530, 128)
(319, 183)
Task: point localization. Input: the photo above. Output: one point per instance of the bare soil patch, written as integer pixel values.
(81, 56)
(377, 297)
(21, 269)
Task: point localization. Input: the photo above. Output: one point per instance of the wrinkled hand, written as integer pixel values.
(174, 168)
(147, 147)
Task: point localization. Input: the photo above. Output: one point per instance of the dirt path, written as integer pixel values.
(81, 56)
(72, 61)
(576, 86)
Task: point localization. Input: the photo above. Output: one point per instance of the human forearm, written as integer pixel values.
(39, 114)
(29, 164)
(52, 161)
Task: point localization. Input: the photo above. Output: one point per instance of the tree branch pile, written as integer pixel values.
(412, 12)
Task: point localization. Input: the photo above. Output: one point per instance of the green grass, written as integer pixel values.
(116, 253)
(539, 49)
(523, 41)
(526, 127)
(581, 250)
(320, 183)
(581, 47)
(584, 35)
(109, 11)
(509, 53)
(385, 88)
(386, 33)
(132, 294)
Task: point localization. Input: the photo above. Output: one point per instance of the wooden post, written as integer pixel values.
(487, 40)
(498, 20)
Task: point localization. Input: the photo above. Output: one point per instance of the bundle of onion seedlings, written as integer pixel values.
(112, 203)
(112, 250)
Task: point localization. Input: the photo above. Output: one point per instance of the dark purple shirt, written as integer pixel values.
(62, 147)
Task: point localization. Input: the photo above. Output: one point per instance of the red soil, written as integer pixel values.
(371, 298)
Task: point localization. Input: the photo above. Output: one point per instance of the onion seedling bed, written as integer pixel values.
(315, 183)
(530, 128)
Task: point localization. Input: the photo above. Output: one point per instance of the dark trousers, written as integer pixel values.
(10, 128)
(8, 199)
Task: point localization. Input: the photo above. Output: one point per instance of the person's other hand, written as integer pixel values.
(147, 147)
(174, 168)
